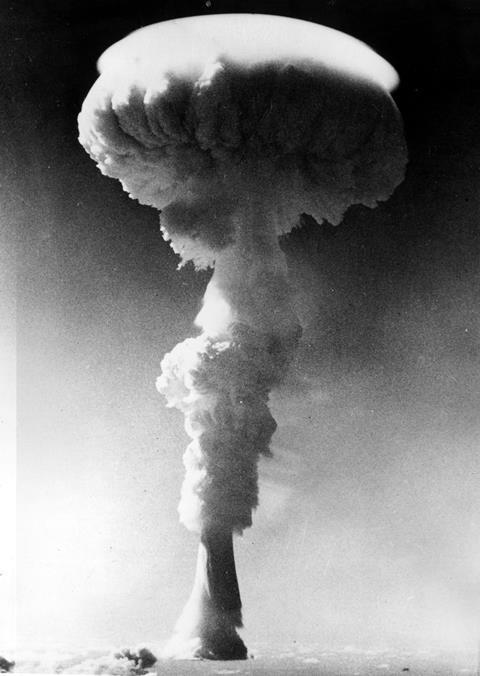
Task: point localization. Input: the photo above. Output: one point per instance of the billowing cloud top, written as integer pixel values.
(196, 115)
(189, 45)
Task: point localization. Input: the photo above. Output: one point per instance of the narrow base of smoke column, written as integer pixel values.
(207, 628)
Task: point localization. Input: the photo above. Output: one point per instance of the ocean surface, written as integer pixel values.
(306, 659)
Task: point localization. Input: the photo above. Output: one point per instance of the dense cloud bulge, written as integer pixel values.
(318, 133)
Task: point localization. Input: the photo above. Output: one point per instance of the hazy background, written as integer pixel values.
(368, 531)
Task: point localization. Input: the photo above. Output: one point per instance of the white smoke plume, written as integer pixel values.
(232, 140)
(221, 381)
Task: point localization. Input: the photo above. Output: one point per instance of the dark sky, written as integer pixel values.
(372, 503)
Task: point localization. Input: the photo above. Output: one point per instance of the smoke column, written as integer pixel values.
(232, 135)
(221, 382)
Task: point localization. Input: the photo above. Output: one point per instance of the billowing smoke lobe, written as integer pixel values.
(232, 150)
(224, 397)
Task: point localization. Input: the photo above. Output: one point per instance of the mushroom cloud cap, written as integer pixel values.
(192, 43)
(201, 115)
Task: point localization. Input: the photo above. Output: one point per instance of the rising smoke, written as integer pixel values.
(232, 153)
(221, 381)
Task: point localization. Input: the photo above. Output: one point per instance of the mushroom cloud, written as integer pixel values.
(232, 126)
